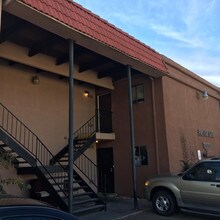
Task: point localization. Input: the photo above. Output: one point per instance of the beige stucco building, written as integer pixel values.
(172, 120)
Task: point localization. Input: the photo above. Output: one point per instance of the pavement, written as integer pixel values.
(119, 208)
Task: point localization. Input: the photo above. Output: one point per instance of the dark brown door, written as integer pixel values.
(104, 113)
(105, 162)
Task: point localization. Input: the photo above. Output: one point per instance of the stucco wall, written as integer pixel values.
(144, 135)
(185, 113)
(44, 107)
(161, 133)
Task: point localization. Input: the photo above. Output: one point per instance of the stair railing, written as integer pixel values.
(32, 145)
(89, 171)
(92, 172)
(87, 130)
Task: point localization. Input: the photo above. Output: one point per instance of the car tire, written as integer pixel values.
(164, 203)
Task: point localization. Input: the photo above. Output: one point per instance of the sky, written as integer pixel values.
(187, 31)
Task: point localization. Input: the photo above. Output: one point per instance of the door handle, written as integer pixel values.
(216, 185)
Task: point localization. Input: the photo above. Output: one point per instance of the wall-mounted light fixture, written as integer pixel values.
(35, 80)
(87, 94)
(202, 95)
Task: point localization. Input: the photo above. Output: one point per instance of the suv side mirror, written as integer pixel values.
(187, 176)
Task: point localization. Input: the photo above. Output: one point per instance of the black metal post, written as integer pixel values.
(134, 183)
(1, 15)
(70, 150)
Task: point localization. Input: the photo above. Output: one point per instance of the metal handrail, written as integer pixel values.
(87, 130)
(32, 145)
(92, 172)
(86, 168)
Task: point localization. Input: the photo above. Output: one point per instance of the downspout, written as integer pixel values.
(134, 177)
(155, 124)
(71, 118)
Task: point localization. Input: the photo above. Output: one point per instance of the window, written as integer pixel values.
(141, 155)
(205, 172)
(138, 93)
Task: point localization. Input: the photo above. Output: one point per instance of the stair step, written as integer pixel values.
(3, 145)
(8, 151)
(80, 187)
(74, 188)
(57, 177)
(89, 209)
(23, 166)
(83, 194)
(65, 177)
(25, 170)
(77, 181)
(20, 162)
(85, 201)
(63, 160)
(52, 169)
(65, 182)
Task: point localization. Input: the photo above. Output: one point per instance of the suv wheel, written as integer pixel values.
(164, 203)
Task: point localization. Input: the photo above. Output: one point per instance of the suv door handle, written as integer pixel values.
(216, 185)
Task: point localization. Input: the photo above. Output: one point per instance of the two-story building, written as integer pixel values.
(172, 114)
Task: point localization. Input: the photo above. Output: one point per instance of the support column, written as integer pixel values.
(134, 178)
(155, 124)
(70, 150)
(0, 16)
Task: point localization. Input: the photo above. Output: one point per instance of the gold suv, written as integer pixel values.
(197, 189)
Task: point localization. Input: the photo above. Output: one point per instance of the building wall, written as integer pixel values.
(44, 107)
(167, 122)
(160, 128)
(144, 135)
(186, 113)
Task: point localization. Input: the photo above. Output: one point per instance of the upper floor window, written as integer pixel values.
(138, 93)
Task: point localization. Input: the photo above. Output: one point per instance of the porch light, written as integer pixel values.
(86, 94)
(202, 95)
(36, 80)
(205, 95)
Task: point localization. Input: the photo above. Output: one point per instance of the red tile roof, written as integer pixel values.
(84, 21)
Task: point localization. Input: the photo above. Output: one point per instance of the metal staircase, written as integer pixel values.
(29, 152)
(84, 137)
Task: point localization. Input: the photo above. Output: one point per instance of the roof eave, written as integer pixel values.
(38, 18)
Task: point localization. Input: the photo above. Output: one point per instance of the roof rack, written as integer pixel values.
(215, 158)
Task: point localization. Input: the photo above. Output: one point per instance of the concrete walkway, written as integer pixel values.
(119, 208)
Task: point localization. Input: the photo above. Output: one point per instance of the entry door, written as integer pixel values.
(105, 162)
(104, 106)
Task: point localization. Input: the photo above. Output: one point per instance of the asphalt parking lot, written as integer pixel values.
(150, 215)
(122, 208)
